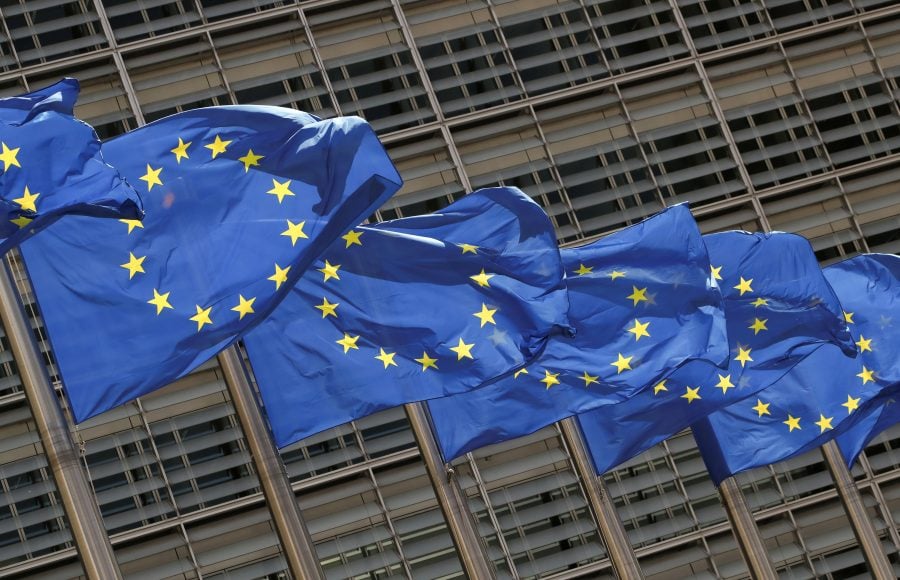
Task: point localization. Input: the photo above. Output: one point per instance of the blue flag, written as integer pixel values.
(642, 302)
(239, 201)
(823, 394)
(872, 313)
(875, 416)
(52, 166)
(779, 309)
(411, 309)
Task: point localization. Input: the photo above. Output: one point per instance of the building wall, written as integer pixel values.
(775, 114)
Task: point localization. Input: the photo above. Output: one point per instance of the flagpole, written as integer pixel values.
(749, 540)
(82, 513)
(469, 545)
(856, 510)
(296, 542)
(612, 531)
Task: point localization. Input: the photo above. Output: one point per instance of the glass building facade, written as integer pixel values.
(764, 114)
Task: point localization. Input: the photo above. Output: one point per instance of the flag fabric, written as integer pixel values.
(411, 309)
(779, 309)
(239, 201)
(642, 302)
(875, 416)
(823, 394)
(52, 166)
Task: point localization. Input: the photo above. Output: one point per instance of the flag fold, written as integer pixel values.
(52, 166)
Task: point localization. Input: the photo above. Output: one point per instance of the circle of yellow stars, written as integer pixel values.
(428, 361)
(154, 176)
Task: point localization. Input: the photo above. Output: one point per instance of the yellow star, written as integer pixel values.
(824, 423)
(250, 160)
(758, 325)
(582, 270)
(520, 372)
(760, 302)
(352, 237)
(486, 315)
(482, 279)
(622, 364)
(202, 317)
(725, 383)
(468, 248)
(386, 357)
(133, 224)
(294, 231)
(463, 350)
(330, 271)
(328, 308)
(637, 295)
(426, 361)
(639, 329)
(348, 342)
(151, 177)
(744, 286)
(26, 202)
(848, 317)
(762, 408)
(616, 274)
(866, 375)
(22, 221)
(743, 356)
(218, 146)
(280, 276)
(588, 379)
(134, 265)
(661, 386)
(244, 306)
(161, 301)
(851, 404)
(864, 344)
(792, 422)
(550, 379)
(691, 394)
(716, 272)
(281, 190)
(8, 157)
(181, 151)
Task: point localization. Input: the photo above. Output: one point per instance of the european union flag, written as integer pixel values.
(642, 302)
(875, 416)
(239, 202)
(411, 309)
(779, 309)
(52, 166)
(820, 396)
(872, 313)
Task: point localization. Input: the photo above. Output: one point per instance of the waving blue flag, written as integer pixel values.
(239, 201)
(875, 416)
(825, 393)
(779, 309)
(642, 303)
(411, 309)
(52, 166)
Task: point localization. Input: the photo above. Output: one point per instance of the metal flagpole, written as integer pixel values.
(469, 545)
(81, 509)
(747, 534)
(853, 504)
(295, 540)
(612, 531)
